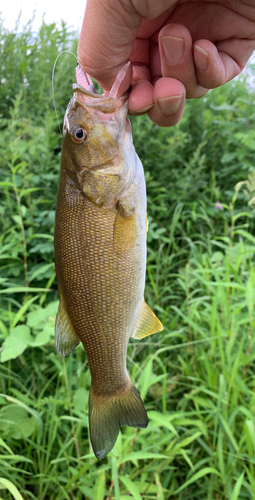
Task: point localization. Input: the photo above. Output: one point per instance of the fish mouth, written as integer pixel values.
(79, 88)
(98, 102)
(85, 85)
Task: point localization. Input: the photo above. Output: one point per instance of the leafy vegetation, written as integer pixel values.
(197, 377)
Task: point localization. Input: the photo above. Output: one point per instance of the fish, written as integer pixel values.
(100, 255)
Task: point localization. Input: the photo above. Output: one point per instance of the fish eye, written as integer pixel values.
(79, 134)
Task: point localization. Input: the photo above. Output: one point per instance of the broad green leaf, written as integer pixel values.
(43, 337)
(20, 404)
(15, 422)
(40, 315)
(17, 219)
(20, 332)
(51, 308)
(16, 343)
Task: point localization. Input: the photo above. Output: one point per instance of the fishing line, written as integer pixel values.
(52, 81)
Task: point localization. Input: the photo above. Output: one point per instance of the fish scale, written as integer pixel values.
(100, 255)
(92, 278)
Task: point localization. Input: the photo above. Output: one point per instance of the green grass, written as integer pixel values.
(196, 378)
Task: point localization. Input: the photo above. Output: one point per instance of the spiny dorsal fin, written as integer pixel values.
(65, 336)
(147, 323)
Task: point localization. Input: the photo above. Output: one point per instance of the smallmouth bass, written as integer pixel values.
(100, 255)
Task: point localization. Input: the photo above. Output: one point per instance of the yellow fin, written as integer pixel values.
(124, 232)
(65, 336)
(147, 323)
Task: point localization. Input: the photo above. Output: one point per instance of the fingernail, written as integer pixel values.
(144, 110)
(201, 58)
(173, 48)
(170, 104)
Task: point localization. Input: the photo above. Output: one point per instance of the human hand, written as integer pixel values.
(178, 49)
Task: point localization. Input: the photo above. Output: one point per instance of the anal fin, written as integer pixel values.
(147, 323)
(65, 336)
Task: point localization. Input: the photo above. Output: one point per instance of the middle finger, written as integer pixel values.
(176, 58)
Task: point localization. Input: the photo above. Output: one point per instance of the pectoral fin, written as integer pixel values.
(126, 207)
(124, 232)
(65, 336)
(147, 323)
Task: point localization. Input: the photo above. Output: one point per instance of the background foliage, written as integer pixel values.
(197, 377)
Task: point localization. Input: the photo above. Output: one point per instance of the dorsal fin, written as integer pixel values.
(147, 323)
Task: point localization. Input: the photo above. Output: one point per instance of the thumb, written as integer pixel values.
(108, 33)
(107, 36)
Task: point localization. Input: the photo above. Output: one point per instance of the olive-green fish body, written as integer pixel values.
(100, 251)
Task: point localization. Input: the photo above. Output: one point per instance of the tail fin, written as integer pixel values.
(108, 414)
